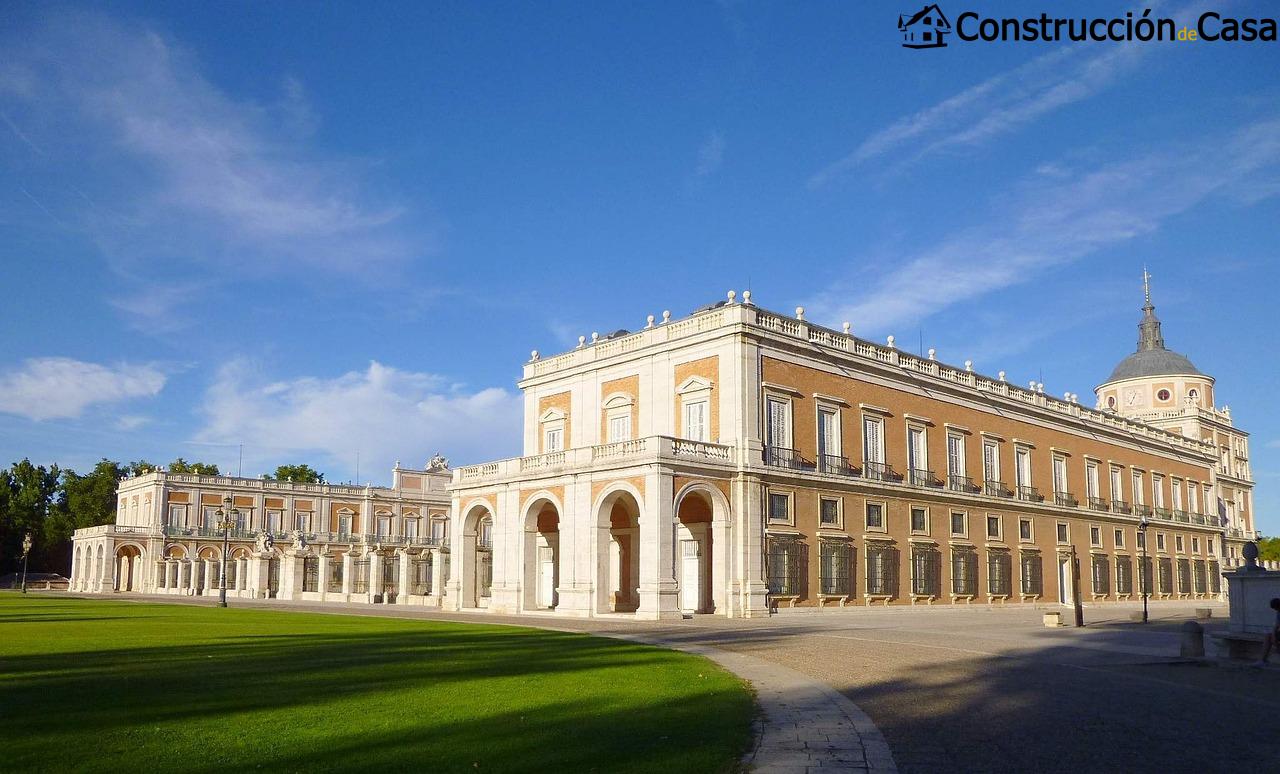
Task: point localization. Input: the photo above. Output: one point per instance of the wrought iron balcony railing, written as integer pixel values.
(835, 465)
(996, 489)
(1098, 504)
(1120, 506)
(1030, 494)
(1141, 510)
(1164, 514)
(957, 483)
(922, 477)
(880, 471)
(1065, 500)
(779, 457)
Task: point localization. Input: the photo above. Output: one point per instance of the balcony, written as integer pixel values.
(779, 457)
(1030, 494)
(1181, 515)
(834, 464)
(995, 489)
(880, 471)
(961, 484)
(1065, 500)
(1098, 504)
(1164, 514)
(1120, 506)
(922, 477)
(1141, 511)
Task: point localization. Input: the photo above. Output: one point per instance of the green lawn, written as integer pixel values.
(109, 685)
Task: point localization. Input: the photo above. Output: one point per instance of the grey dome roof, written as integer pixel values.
(1153, 362)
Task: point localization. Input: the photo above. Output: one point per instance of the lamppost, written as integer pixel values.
(1144, 570)
(26, 549)
(227, 516)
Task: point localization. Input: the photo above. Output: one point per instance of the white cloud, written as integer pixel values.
(710, 155)
(1050, 221)
(62, 388)
(132, 422)
(382, 412)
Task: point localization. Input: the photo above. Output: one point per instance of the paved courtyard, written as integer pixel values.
(980, 689)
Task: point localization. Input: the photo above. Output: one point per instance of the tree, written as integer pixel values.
(31, 494)
(139, 468)
(193, 468)
(1269, 548)
(299, 474)
(90, 500)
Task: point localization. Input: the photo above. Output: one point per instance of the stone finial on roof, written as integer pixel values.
(799, 312)
(732, 296)
(847, 327)
(746, 297)
(648, 321)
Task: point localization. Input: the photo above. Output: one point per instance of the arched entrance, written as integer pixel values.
(541, 559)
(128, 570)
(693, 550)
(477, 550)
(618, 553)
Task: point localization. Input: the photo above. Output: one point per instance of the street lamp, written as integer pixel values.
(26, 549)
(1144, 570)
(227, 516)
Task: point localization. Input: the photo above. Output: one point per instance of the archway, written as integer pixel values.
(694, 538)
(618, 552)
(541, 553)
(238, 569)
(128, 570)
(208, 570)
(477, 551)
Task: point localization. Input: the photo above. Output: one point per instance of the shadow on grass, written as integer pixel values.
(196, 688)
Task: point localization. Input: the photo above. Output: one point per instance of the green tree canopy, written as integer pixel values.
(299, 474)
(1269, 548)
(193, 468)
(31, 493)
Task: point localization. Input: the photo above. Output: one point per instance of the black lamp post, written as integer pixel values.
(1144, 570)
(227, 516)
(26, 549)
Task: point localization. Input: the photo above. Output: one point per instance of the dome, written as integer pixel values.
(1153, 362)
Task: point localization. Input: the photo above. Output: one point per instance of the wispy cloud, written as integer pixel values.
(1050, 221)
(710, 155)
(382, 412)
(62, 388)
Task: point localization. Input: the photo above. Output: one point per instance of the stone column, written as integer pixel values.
(323, 585)
(291, 575)
(375, 576)
(348, 567)
(437, 578)
(405, 558)
(748, 510)
(658, 588)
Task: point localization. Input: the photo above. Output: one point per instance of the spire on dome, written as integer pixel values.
(1149, 335)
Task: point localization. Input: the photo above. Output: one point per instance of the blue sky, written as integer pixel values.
(319, 231)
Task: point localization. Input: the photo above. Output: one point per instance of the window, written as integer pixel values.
(828, 432)
(1064, 535)
(1022, 458)
(959, 523)
(553, 440)
(274, 520)
(1208, 546)
(1175, 486)
(344, 523)
(1193, 395)
(177, 516)
(1091, 485)
(1198, 575)
(1164, 576)
(1101, 575)
(439, 530)
(1024, 530)
(1142, 540)
(1124, 575)
(955, 454)
(999, 573)
(1032, 580)
(882, 570)
(994, 530)
(875, 517)
(964, 572)
(990, 461)
(302, 521)
(620, 427)
(209, 518)
(695, 420)
(1177, 543)
(872, 440)
(829, 511)
(919, 520)
(1162, 395)
(485, 538)
(1184, 576)
(1095, 535)
(411, 528)
(779, 508)
(1195, 544)
(1157, 490)
(1060, 474)
(917, 450)
(926, 571)
(1160, 541)
(617, 412)
(835, 571)
(1193, 497)
(784, 563)
(778, 412)
(1111, 401)
(1119, 538)
(1138, 498)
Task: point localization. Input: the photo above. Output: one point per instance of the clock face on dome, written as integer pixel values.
(1133, 397)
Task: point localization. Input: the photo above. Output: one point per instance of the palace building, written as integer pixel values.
(739, 461)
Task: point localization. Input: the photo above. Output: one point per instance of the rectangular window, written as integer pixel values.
(779, 508)
(1157, 490)
(1101, 575)
(955, 455)
(1195, 544)
(1091, 480)
(872, 440)
(882, 570)
(177, 515)
(958, 523)
(1064, 536)
(1209, 546)
(1142, 540)
(829, 511)
(778, 412)
(411, 528)
(1184, 576)
(274, 519)
(439, 530)
(1176, 490)
(1023, 467)
(1024, 530)
(1117, 488)
(1193, 497)
(1177, 543)
(964, 571)
(554, 440)
(1095, 535)
(620, 428)
(784, 563)
(344, 524)
(1119, 538)
(875, 517)
(1032, 579)
(835, 571)
(1138, 497)
(919, 520)
(695, 420)
(302, 521)
(1160, 541)
(1060, 474)
(994, 531)
(1164, 575)
(828, 432)
(926, 571)
(990, 461)
(999, 573)
(384, 525)
(1124, 575)
(917, 457)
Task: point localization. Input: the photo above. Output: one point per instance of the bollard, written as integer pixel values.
(1192, 640)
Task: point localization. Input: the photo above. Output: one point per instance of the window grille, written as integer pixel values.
(784, 560)
(882, 570)
(310, 573)
(830, 511)
(1164, 576)
(964, 571)
(926, 571)
(1101, 575)
(999, 573)
(1198, 576)
(1032, 573)
(273, 576)
(232, 568)
(1215, 578)
(1124, 575)
(1184, 576)
(835, 571)
(391, 575)
(485, 559)
(335, 575)
(360, 576)
(420, 575)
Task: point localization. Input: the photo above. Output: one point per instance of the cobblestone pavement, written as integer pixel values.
(986, 688)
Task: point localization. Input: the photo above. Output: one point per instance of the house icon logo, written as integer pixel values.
(926, 28)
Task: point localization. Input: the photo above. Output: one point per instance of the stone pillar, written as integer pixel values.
(405, 559)
(348, 567)
(323, 585)
(375, 576)
(259, 576)
(658, 589)
(748, 508)
(291, 575)
(437, 578)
